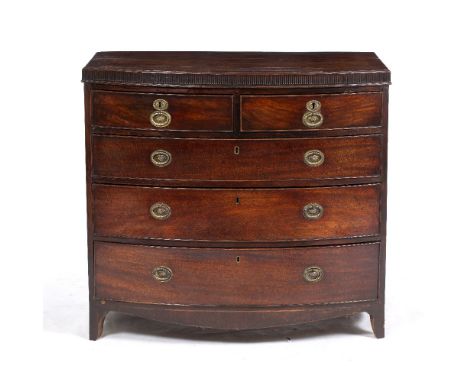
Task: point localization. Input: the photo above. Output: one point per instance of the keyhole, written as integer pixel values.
(238, 259)
(236, 150)
(237, 200)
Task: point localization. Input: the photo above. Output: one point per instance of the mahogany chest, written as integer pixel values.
(236, 190)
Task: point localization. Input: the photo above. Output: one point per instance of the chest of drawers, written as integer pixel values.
(236, 190)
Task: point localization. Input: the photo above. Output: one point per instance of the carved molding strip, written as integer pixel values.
(213, 80)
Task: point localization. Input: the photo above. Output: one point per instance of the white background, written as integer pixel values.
(43, 239)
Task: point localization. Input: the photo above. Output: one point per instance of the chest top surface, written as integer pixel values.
(237, 69)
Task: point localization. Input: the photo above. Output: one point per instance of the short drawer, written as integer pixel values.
(239, 160)
(310, 112)
(236, 214)
(285, 276)
(162, 111)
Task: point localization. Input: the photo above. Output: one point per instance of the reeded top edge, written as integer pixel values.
(237, 69)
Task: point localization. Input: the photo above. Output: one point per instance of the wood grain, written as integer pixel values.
(239, 318)
(242, 210)
(215, 160)
(236, 277)
(284, 113)
(237, 215)
(188, 112)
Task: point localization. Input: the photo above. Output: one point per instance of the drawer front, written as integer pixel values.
(237, 160)
(284, 276)
(236, 214)
(334, 111)
(172, 112)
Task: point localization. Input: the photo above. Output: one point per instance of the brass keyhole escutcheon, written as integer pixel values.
(236, 150)
(313, 105)
(160, 104)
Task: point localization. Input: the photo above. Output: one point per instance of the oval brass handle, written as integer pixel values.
(162, 273)
(314, 158)
(313, 274)
(160, 118)
(312, 211)
(161, 158)
(312, 117)
(160, 211)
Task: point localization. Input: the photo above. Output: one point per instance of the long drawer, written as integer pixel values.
(237, 159)
(236, 214)
(284, 276)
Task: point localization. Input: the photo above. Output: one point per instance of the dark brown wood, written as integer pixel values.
(237, 244)
(312, 133)
(237, 91)
(237, 69)
(284, 113)
(97, 315)
(236, 115)
(237, 215)
(239, 318)
(255, 277)
(226, 206)
(377, 317)
(261, 162)
(133, 110)
(95, 324)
